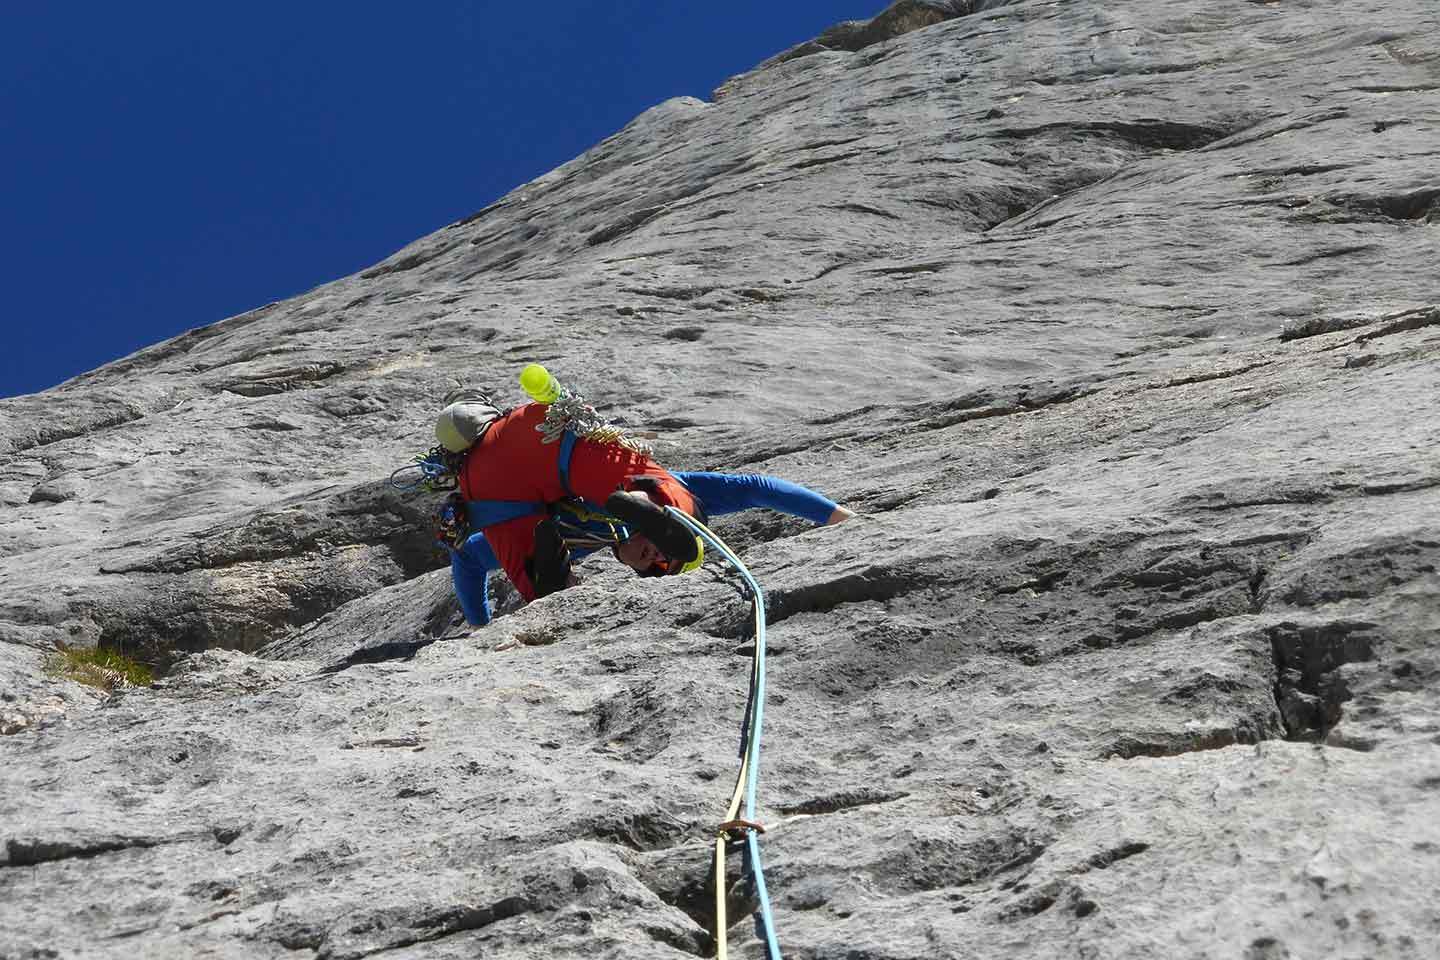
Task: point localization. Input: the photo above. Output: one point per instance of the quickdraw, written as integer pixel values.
(452, 522)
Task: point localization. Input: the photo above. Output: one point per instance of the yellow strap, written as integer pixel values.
(720, 920)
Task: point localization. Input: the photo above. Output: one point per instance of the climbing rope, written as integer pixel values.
(735, 825)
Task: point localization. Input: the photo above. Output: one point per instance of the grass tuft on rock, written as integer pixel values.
(98, 667)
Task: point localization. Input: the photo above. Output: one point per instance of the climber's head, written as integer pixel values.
(640, 554)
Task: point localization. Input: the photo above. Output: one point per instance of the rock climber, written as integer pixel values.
(509, 476)
(572, 530)
(532, 507)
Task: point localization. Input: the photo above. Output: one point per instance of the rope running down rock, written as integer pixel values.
(749, 777)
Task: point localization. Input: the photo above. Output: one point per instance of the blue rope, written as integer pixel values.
(767, 922)
(754, 722)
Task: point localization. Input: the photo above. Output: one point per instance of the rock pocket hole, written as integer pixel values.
(1309, 687)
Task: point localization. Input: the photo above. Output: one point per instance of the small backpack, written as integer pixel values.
(465, 419)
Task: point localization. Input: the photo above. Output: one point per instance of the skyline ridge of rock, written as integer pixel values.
(1118, 325)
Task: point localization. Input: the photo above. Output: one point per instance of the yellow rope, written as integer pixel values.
(721, 889)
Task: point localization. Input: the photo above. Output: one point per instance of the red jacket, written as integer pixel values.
(512, 462)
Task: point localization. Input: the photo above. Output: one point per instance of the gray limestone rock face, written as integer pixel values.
(1118, 326)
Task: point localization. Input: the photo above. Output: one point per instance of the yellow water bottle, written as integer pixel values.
(540, 384)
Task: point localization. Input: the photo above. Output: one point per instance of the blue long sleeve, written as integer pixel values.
(723, 493)
(470, 568)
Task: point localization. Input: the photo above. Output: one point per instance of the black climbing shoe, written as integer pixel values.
(549, 568)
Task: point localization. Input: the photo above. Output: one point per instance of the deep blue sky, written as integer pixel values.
(165, 165)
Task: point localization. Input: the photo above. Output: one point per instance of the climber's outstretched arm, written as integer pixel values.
(723, 493)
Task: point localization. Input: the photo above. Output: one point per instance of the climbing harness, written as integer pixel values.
(736, 827)
(584, 528)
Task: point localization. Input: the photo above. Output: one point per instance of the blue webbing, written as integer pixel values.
(567, 450)
(487, 513)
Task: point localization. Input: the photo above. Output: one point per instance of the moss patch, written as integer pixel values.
(98, 667)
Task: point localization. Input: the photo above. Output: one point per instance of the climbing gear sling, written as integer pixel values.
(433, 472)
